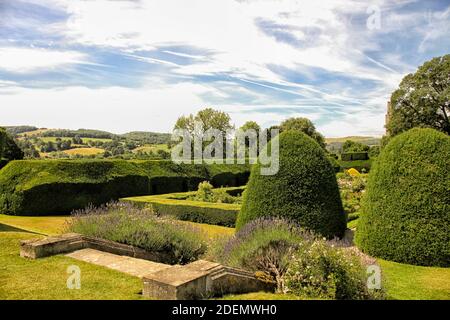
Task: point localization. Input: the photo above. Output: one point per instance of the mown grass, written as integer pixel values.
(46, 278)
(408, 282)
(44, 225)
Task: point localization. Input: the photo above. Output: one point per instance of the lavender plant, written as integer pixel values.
(140, 227)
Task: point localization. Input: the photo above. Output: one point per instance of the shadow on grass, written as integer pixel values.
(7, 228)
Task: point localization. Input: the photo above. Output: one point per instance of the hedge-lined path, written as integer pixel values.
(129, 265)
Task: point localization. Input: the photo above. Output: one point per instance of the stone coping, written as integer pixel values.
(196, 280)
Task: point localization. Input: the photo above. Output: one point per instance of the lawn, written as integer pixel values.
(48, 275)
(46, 278)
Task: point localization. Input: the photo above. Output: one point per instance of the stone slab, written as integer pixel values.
(129, 265)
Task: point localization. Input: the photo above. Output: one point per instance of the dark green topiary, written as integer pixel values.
(406, 210)
(304, 189)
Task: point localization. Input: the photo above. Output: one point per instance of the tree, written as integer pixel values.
(2, 141)
(250, 125)
(77, 140)
(422, 99)
(11, 151)
(304, 125)
(354, 146)
(210, 118)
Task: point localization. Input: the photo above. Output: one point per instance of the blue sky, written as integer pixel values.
(125, 65)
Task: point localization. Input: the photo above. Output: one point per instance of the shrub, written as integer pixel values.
(304, 190)
(35, 187)
(127, 224)
(319, 270)
(264, 245)
(406, 210)
(207, 193)
(352, 156)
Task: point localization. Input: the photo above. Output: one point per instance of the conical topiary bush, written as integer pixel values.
(406, 209)
(304, 190)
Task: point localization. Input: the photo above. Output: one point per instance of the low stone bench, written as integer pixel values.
(197, 280)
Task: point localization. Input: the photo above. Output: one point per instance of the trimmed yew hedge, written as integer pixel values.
(406, 211)
(304, 190)
(43, 187)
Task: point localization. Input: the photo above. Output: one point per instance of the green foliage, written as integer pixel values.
(354, 146)
(304, 190)
(15, 130)
(36, 187)
(2, 141)
(360, 165)
(207, 193)
(319, 270)
(422, 99)
(405, 215)
(11, 150)
(264, 245)
(352, 190)
(303, 125)
(181, 207)
(124, 223)
(354, 156)
(374, 151)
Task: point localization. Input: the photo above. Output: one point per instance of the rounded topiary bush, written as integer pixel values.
(304, 190)
(406, 209)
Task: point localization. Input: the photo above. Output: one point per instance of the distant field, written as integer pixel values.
(32, 133)
(152, 148)
(85, 140)
(84, 151)
(352, 138)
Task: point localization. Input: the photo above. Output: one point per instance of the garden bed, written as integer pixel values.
(179, 206)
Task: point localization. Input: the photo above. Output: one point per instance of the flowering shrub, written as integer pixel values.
(353, 172)
(323, 271)
(127, 224)
(264, 245)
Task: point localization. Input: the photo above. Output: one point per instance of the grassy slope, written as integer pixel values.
(401, 281)
(84, 151)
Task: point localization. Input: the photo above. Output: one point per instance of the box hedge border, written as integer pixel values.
(176, 206)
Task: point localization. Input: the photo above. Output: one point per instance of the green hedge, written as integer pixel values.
(43, 187)
(304, 190)
(406, 210)
(357, 164)
(176, 205)
(352, 156)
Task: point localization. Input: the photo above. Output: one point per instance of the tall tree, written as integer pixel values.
(304, 125)
(210, 118)
(422, 99)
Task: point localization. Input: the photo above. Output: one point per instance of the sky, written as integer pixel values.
(129, 65)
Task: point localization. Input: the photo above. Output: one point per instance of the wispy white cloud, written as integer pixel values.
(25, 60)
